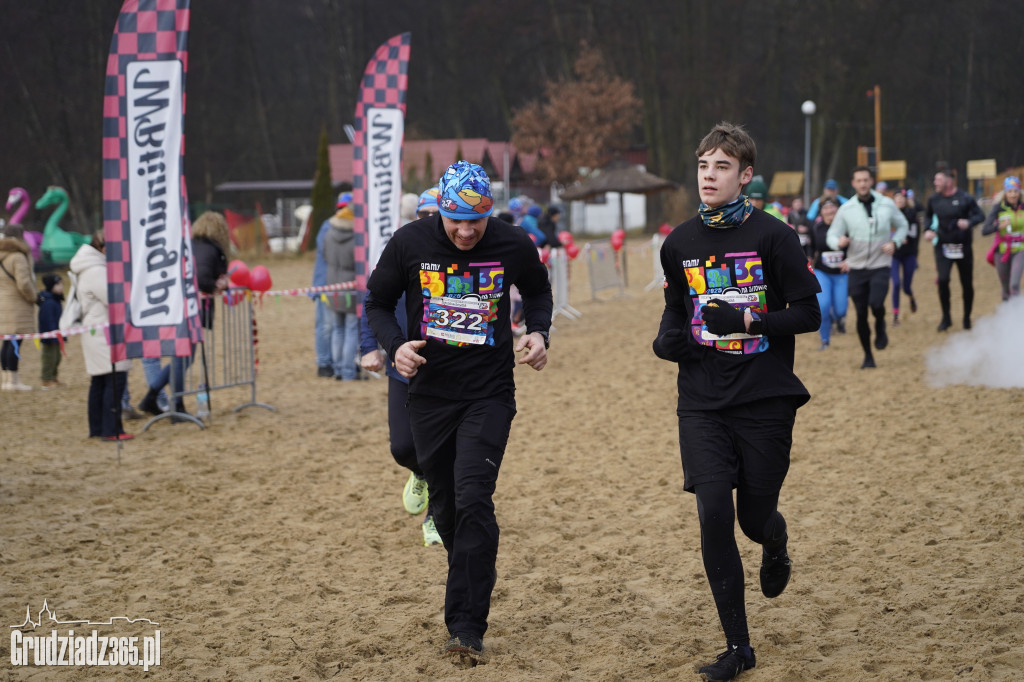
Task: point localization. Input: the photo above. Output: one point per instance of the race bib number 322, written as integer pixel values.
(457, 319)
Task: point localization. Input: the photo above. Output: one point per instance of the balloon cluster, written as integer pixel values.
(257, 279)
(571, 249)
(665, 229)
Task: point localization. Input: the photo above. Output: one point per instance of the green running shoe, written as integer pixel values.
(430, 536)
(414, 496)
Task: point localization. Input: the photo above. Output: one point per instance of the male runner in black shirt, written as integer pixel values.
(737, 289)
(456, 269)
(950, 217)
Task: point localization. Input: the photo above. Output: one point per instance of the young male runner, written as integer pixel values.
(455, 270)
(737, 288)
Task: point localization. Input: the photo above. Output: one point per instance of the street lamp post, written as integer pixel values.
(808, 108)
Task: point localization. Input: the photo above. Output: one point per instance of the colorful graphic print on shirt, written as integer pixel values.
(460, 302)
(739, 279)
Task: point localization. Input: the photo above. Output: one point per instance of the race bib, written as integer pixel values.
(457, 319)
(736, 300)
(831, 259)
(953, 251)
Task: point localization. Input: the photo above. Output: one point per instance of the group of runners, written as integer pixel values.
(862, 246)
(738, 288)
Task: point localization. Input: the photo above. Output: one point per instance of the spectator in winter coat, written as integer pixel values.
(17, 301)
(339, 254)
(89, 265)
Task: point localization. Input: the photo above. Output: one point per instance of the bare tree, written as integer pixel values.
(581, 122)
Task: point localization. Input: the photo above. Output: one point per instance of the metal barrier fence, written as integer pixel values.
(606, 266)
(227, 358)
(558, 273)
(658, 280)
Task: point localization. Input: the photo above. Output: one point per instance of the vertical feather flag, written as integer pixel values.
(151, 282)
(377, 152)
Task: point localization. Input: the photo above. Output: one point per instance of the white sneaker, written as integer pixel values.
(430, 536)
(414, 495)
(14, 384)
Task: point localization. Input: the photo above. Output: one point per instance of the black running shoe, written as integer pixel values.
(465, 646)
(913, 305)
(967, 323)
(775, 572)
(841, 325)
(869, 363)
(881, 339)
(945, 324)
(729, 664)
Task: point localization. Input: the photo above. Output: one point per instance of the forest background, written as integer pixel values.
(265, 77)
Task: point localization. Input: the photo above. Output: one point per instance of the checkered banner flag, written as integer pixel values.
(377, 152)
(151, 282)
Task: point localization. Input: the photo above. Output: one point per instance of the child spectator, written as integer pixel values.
(51, 305)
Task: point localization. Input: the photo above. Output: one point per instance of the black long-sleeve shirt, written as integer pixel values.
(458, 301)
(758, 265)
(947, 211)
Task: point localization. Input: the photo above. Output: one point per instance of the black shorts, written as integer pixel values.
(747, 445)
(870, 286)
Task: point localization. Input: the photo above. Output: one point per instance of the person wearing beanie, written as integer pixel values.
(830, 191)
(757, 193)
(17, 301)
(51, 305)
(323, 322)
(458, 352)
(427, 205)
(339, 254)
(1006, 221)
(738, 289)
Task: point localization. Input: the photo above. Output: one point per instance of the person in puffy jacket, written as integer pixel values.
(17, 301)
(89, 265)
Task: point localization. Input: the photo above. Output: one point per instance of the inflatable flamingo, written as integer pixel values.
(59, 245)
(18, 196)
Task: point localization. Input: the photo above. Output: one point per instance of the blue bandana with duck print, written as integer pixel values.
(728, 215)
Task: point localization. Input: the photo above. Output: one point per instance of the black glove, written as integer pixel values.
(672, 346)
(722, 319)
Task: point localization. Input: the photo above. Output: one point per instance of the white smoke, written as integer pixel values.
(988, 355)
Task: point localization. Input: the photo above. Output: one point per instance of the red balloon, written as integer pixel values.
(618, 238)
(572, 250)
(545, 256)
(259, 278)
(238, 273)
(665, 229)
(565, 237)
